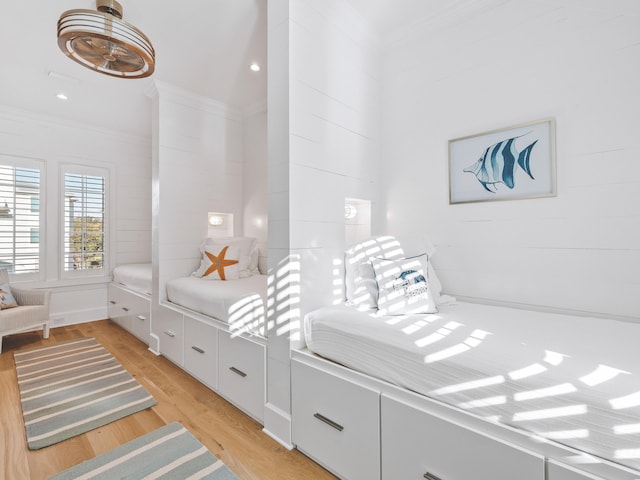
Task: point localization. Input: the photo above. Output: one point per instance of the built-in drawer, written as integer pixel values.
(201, 351)
(336, 422)
(113, 307)
(140, 317)
(419, 445)
(168, 326)
(241, 376)
(558, 471)
(118, 310)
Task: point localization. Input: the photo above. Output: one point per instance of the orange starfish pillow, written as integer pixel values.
(219, 264)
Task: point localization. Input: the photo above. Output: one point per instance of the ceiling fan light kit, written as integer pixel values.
(103, 42)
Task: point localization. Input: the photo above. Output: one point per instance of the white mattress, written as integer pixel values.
(240, 303)
(572, 379)
(136, 276)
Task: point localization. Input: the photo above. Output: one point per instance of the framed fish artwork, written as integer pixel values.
(506, 164)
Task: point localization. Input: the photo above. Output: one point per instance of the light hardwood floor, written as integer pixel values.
(231, 435)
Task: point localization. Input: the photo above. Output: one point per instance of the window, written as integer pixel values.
(19, 185)
(84, 223)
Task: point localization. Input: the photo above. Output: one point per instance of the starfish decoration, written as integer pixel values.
(218, 263)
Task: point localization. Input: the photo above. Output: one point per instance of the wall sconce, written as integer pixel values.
(215, 220)
(350, 211)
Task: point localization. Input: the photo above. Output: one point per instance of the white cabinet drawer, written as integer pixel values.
(168, 326)
(118, 310)
(241, 376)
(130, 311)
(201, 351)
(113, 307)
(418, 445)
(140, 311)
(557, 471)
(336, 422)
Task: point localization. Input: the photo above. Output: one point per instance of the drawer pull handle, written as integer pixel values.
(112, 302)
(238, 372)
(331, 423)
(431, 476)
(169, 333)
(141, 317)
(197, 349)
(125, 309)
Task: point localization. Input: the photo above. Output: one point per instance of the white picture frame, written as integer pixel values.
(506, 164)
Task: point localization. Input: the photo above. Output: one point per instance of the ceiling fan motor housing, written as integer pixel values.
(101, 41)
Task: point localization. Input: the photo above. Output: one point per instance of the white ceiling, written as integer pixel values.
(204, 46)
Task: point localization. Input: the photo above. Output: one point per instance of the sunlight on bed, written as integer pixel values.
(472, 341)
(600, 375)
(571, 410)
(544, 392)
(566, 434)
(247, 316)
(627, 401)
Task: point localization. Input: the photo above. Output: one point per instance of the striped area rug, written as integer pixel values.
(72, 387)
(170, 452)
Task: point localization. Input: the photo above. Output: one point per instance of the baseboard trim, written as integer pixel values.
(277, 425)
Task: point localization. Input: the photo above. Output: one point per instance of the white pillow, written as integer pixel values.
(253, 263)
(219, 264)
(360, 287)
(403, 286)
(246, 245)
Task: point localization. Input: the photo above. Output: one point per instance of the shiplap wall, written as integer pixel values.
(255, 188)
(502, 63)
(128, 160)
(324, 111)
(197, 168)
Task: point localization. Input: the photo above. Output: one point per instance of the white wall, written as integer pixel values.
(197, 168)
(255, 185)
(507, 63)
(323, 147)
(128, 160)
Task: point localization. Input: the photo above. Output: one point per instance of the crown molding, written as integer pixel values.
(166, 91)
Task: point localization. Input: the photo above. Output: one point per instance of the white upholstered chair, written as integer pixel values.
(32, 312)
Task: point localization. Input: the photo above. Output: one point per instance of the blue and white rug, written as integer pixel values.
(171, 452)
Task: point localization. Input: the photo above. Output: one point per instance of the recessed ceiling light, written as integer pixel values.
(62, 96)
(254, 67)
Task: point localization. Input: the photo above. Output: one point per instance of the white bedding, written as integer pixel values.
(240, 303)
(572, 379)
(136, 276)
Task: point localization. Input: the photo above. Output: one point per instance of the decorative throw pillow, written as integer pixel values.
(7, 300)
(403, 286)
(359, 275)
(219, 264)
(245, 245)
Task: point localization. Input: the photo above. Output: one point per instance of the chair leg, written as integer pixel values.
(0, 344)
(45, 330)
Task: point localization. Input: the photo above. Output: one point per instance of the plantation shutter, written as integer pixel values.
(84, 223)
(19, 219)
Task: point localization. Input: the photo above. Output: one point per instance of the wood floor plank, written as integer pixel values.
(231, 435)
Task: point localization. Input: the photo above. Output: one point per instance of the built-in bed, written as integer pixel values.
(214, 327)
(240, 303)
(129, 298)
(563, 389)
(134, 276)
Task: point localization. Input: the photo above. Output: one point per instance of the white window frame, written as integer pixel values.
(72, 169)
(35, 164)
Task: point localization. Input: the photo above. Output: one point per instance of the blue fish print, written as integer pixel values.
(499, 162)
